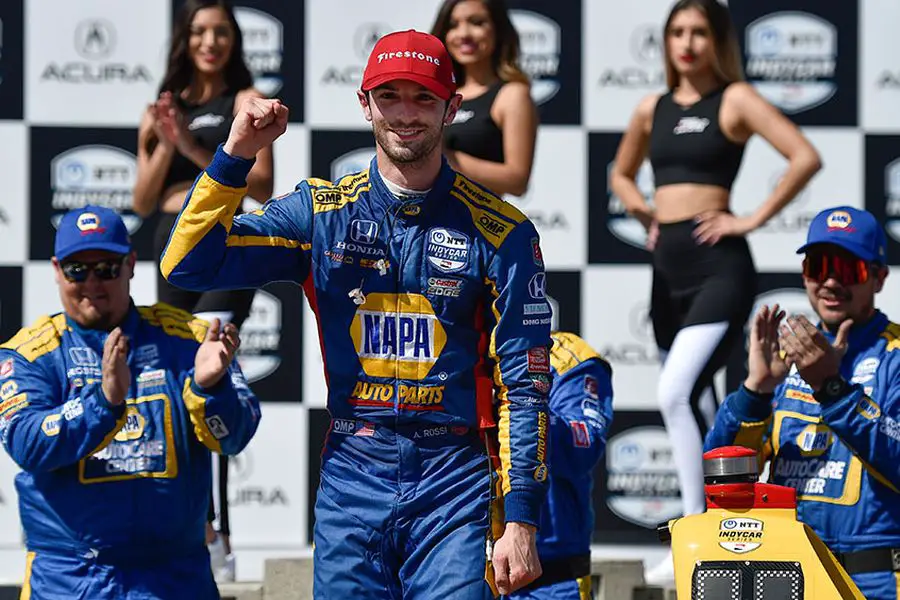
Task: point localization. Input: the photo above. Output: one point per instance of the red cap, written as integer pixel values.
(414, 56)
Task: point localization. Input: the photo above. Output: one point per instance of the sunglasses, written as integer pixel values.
(846, 269)
(78, 272)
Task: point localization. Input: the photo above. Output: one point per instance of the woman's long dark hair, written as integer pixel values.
(180, 69)
(505, 59)
(727, 66)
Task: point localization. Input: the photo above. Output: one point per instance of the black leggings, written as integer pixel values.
(701, 299)
(234, 306)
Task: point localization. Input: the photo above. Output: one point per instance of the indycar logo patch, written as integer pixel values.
(740, 535)
(447, 250)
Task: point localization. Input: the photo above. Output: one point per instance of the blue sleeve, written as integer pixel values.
(870, 426)
(209, 248)
(225, 416)
(519, 345)
(43, 431)
(744, 419)
(581, 413)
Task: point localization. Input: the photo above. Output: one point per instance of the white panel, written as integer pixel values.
(291, 156)
(95, 62)
(340, 35)
(556, 200)
(840, 182)
(615, 320)
(623, 54)
(267, 483)
(14, 200)
(315, 392)
(879, 71)
(10, 528)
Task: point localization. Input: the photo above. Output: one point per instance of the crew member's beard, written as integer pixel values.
(409, 152)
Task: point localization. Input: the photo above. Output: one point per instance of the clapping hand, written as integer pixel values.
(805, 346)
(215, 353)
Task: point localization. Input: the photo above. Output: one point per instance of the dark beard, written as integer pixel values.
(407, 154)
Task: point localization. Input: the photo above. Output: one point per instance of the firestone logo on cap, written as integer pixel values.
(89, 223)
(408, 54)
(839, 219)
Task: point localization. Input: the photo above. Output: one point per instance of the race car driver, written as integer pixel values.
(429, 293)
(581, 413)
(823, 402)
(111, 411)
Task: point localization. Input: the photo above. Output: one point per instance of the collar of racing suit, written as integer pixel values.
(862, 335)
(384, 197)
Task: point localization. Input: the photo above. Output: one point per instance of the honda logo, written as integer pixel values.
(537, 286)
(363, 231)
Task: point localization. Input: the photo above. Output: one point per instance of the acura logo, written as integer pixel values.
(646, 44)
(95, 38)
(365, 37)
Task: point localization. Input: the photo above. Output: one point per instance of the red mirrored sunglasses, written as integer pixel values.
(846, 269)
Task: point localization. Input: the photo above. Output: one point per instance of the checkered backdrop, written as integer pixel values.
(76, 76)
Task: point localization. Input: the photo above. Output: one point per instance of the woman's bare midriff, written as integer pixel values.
(684, 201)
(173, 197)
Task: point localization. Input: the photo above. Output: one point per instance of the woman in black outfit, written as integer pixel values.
(704, 280)
(492, 138)
(206, 79)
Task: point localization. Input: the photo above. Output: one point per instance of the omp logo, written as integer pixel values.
(540, 43)
(791, 59)
(263, 48)
(258, 355)
(641, 478)
(492, 226)
(892, 198)
(351, 162)
(94, 174)
(95, 42)
(95, 38)
(134, 426)
(397, 335)
(624, 227)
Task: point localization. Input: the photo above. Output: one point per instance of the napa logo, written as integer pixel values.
(814, 439)
(134, 426)
(839, 219)
(397, 336)
(88, 222)
(867, 408)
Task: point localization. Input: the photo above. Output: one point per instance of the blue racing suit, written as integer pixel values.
(113, 499)
(841, 456)
(424, 306)
(581, 413)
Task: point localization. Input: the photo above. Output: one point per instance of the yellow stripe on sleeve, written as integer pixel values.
(196, 406)
(210, 203)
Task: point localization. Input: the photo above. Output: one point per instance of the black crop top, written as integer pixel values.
(473, 131)
(209, 124)
(687, 144)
